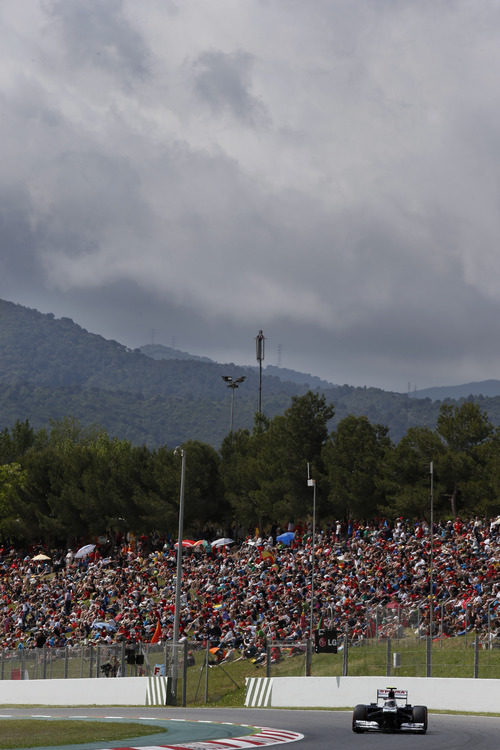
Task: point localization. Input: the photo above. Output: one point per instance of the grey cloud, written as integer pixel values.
(223, 82)
(19, 262)
(96, 33)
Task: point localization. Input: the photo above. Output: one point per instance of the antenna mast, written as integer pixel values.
(259, 343)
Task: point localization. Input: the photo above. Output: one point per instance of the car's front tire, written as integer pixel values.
(359, 714)
(420, 717)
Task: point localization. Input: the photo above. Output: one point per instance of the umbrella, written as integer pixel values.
(202, 543)
(286, 538)
(41, 556)
(222, 542)
(186, 543)
(84, 551)
(106, 625)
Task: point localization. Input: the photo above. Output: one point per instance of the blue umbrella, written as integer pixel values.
(107, 625)
(286, 538)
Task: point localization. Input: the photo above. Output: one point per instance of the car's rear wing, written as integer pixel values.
(399, 695)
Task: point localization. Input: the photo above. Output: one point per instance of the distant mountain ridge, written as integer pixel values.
(53, 368)
(488, 388)
(159, 351)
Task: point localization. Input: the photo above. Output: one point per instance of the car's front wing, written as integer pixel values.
(374, 726)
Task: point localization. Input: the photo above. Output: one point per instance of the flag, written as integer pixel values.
(157, 634)
(267, 555)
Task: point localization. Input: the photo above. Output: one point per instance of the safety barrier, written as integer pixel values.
(447, 694)
(157, 693)
(258, 692)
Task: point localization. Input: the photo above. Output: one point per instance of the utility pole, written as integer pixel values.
(232, 383)
(431, 572)
(312, 483)
(178, 582)
(259, 343)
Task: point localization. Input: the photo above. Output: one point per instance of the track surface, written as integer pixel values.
(322, 730)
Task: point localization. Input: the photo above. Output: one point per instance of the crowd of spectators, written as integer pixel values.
(370, 579)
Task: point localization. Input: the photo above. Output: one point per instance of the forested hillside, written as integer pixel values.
(52, 368)
(67, 484)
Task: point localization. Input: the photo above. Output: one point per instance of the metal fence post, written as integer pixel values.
(429, 657)
(44, 676)
(388, 666)
(345, 663)
(184, 673)
(308, 657)
(268, 659)
(66, 654)
(91, 660)
(476, 656)
(206, 672)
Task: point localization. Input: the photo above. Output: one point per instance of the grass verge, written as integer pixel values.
(23, 733)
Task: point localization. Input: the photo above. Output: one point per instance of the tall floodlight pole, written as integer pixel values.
(232, 383)
(431, 573)
(312, 483)
(259, 345)
(178, 582)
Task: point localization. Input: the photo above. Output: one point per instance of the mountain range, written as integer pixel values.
(52, 368)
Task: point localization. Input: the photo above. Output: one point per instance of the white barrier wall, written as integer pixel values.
(276, 692)
(119, 691)
(338, 692)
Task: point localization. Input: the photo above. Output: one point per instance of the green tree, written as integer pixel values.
(407, 476)
(488, 475)
(240, 477)
(204, 493)
(463, 429)
(265, 473)
(355, 456)
(12, 479)
(14, 443)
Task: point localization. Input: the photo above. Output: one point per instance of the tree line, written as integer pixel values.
(70, 483)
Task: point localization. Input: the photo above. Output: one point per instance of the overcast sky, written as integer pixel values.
(191, 171)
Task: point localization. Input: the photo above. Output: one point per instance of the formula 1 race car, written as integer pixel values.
(391, 713)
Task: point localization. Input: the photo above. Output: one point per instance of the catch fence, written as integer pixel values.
(385, 641)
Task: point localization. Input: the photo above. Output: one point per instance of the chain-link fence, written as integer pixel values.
(390, 641)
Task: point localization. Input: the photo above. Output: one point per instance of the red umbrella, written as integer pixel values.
(186, 543)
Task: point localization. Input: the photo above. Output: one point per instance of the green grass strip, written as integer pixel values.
(23, 733)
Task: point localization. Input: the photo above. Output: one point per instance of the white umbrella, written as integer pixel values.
(222, 542)
(41, 556)
(85, 550)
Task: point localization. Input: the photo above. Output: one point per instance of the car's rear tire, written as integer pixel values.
(420, 717)
(359, 714)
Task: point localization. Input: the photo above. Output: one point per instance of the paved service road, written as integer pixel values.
(322, 730)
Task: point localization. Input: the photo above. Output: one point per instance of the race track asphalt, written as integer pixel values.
(322, 730)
